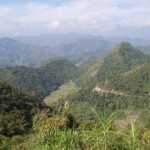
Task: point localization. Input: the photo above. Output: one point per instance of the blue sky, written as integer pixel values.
(101, 17)
(23, 2)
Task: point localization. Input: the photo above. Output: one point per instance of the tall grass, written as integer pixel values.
(54, 134)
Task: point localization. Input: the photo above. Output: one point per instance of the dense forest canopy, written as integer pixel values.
(40, 81)
(16, 110)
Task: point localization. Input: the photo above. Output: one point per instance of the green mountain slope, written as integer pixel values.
(133, 82)
(40, 81)
(121, 59)
(16, 110)
(112, 82)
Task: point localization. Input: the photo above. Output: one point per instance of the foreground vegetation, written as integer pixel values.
(63, 132)
(16, 110)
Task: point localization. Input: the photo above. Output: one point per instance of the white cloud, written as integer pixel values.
(86, 21)
(5, 10)
(54, 24)
(76, 15)
(135, 23)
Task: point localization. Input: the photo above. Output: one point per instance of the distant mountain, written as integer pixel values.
(11, 51)
(16, 110)
(55, 40)
(15, 53)
(135, 42)
(74, 45)
(32, 51)
(85, 58)
(83, 46)
(144, 49)
(40, 81)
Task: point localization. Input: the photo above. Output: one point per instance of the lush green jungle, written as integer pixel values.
(42, 80)
(103, 105)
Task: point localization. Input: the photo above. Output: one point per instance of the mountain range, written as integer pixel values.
(118, 81)
(80, 49)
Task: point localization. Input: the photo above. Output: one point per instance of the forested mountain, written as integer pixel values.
(121, 59)
(16, 110)
(119, 80)
(133, 82)
(40, 81)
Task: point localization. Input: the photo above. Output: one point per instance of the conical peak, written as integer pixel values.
(123, 46)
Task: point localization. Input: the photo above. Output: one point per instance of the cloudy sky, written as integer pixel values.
(101, 17)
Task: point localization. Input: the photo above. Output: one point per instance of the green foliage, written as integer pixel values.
(121, 59)
(16, 110)
(40, 81)
(80, 103)
(133, 82)
(52, 133)
(63, 91)
(144, 117)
